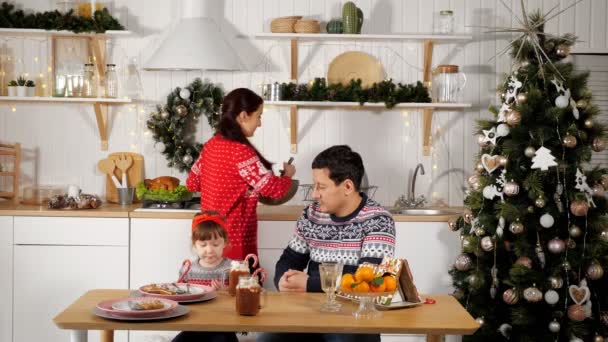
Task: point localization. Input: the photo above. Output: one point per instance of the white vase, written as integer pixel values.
(12, 91)
(21, 91)
(31, 91)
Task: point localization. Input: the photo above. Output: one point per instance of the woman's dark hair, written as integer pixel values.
(237, 101)
(342, 163)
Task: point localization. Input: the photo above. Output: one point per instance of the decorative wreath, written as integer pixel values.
(174, 124)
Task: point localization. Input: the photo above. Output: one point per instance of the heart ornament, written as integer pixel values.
(489, 162)
(579, 294)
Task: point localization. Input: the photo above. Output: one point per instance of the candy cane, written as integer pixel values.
(262, 271)
(188, 265)
(255, 259)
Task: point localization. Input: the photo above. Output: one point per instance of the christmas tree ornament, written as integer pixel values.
(604, 318)
(494, 273)
(516, 228)
(522, 98)
(543, 159)
(582, 103)
(598, 190)
(575, 231)
(579, 294)
(531, 209)
(554, 326)
(581, 185)
(575, 339)
(533, 294)
(505, 330)
(598, 145)
(469, 244)
(540, 254)
(487, 244)
(474, 182)
(503, 161)
(511, 188)
(551, 297)
(566, 266)
(595, 271)
(181, 110)
(481, 140)
(463, 262)
(160, 147)
(547, 221)
(576, 313)
(579, 208)
(513, 118)
(530, 152)
(479, 231)
(540, 202)
(556, 245)
(598, 338)
(187, 159)
(490, 135)
(588, 123)
(569, 141)
(562, 101)
(502, 130)
(604, 181)
(571, 243)
(467, 215)
(604, 235)
(524, 261)
(510, 296)
(496, 190)
(479, 167)
(164, 114)
(501, 227)
(475, 281)
(556, 282)
(480, 321)
(184, 94)
(453, 224)
(563, 50)
(557, 196)
(490, 162)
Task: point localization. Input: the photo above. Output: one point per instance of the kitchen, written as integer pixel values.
(407, 152)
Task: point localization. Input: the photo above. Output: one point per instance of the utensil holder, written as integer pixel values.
(125, 196)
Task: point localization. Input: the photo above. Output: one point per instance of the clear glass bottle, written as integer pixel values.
(89, 88)
(446, 22)
(111, 81)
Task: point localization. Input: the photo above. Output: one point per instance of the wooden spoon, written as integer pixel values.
(123, 163)
(107, 166)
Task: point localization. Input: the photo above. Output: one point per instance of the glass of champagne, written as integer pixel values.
(330, 273)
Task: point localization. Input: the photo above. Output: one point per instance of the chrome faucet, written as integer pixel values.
(412, 201)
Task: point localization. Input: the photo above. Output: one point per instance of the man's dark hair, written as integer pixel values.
(342, 163)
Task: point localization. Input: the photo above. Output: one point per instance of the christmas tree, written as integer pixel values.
(534, 232)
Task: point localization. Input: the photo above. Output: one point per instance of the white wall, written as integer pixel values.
(61, 142)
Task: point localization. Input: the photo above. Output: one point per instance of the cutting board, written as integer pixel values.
(135, 174)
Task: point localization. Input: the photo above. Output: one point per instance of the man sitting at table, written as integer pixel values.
(343, 225)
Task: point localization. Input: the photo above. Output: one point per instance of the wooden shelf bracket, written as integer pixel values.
(427, 114)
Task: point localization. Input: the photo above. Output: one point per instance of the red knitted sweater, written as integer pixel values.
(230, 177)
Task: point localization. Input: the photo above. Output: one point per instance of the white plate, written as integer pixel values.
(204, 298)
(124, 305)
(180, 310)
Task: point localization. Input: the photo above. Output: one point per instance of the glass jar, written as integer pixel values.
(60, 83)
(446, 22)
(75, 82)
(448, 83)
(87, 8)
(89, 87)
(237, 269)
(111, 81)
(248, 296)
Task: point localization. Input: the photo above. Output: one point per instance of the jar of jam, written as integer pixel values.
(237, 269)
(248, 296)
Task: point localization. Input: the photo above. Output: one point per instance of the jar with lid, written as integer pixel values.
(448, 83)
(237, 269)
(89, 87)
(111, 81)
(446, 22)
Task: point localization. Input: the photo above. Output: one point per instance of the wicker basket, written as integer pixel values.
(283, 24)
(307, 26)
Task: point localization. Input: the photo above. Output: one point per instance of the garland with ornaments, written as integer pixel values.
(534, 232)
(173, 125)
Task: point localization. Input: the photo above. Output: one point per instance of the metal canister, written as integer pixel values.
(275, 92)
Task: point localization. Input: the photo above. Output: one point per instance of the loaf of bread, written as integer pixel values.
(162, 183)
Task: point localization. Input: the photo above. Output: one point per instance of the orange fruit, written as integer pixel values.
(378, 285)
(364, 274)
(390, 283)
(360, 287)
(346, 282)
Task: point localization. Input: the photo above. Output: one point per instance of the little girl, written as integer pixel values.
(209, 238)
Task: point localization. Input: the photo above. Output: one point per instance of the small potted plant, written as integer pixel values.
(31, 88)
(12, 88)
(21, 88)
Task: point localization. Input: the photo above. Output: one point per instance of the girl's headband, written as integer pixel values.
(198, 219)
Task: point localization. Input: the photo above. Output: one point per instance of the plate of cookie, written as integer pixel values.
(178, 292)
(137, 307)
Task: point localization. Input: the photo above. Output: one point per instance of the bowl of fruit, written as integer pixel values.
(368, 285)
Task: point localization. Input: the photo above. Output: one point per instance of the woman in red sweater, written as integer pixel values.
(231, 173)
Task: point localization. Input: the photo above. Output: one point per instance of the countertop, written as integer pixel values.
(265, 213)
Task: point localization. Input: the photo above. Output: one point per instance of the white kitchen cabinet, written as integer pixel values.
(6, 278)
(49, 273)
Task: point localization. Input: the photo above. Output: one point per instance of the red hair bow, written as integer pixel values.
(198, 219)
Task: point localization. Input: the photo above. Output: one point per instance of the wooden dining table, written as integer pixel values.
(282, 312)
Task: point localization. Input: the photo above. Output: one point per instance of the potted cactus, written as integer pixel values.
(21, 88)
(31, 88)
(12, 88)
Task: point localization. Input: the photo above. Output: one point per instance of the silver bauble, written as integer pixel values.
(513, 118)
(481, 140)
(524, 261)
(522, 98)
(530, 151)
(569, 141)
(463, 262)
(511, 188)
(487, 244)
(595, 271)
(531, 209)
(474, 281)
(533, 295)
(516, 228)
(160, 147)
(575, 231)
(556, 245)
(187, 159)
(540, 202)
(547, 221)
(598, 190)
(453, 224)
(479, 167)
(551, 297)
(604, 235)
(479, 321)
(598, 338)
(184, 94)
(556, 282)
(502, 130)
(561, 101)
(598, 145)
(479, 231)
(164, 114)
(505, 330)
(474, 182)
(467, 215)
(554, 327)
(510, 296)
(588, 122)
(562, 50)
(181, 110)
(503, 161)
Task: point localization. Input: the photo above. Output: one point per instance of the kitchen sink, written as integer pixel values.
(425, 211)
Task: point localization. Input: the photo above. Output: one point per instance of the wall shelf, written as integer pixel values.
(368, 105)
(54, 33)
(64, 99)
(428, 40)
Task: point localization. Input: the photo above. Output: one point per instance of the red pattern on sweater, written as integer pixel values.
(231, 177)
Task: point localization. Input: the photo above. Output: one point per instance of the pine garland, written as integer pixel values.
(174, 124)
(55, 20)
(385, 91)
